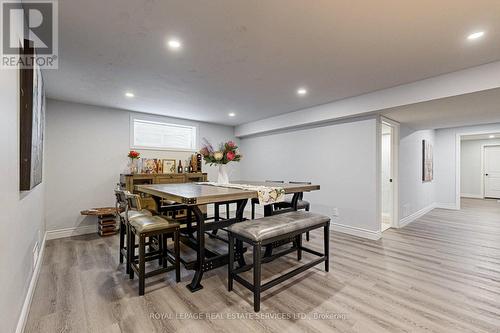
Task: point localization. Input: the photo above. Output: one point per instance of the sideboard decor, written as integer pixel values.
(133, 156)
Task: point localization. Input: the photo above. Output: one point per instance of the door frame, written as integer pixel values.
(458, 171)
(483, 175)
(395, 170)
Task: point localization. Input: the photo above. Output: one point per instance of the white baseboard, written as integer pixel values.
(450, 206)
(410, 218)
(21, 323)
(472, 196)
(68, 232)
(354, 231)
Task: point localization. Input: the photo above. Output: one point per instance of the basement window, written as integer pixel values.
(148, 134)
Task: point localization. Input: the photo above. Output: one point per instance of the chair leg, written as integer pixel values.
(142, 263)
(253, 211)
(307, 233)
(298, 243)
(127, 242)
(227, 211)
(122, 239)
(164, 251)
(256, 276)
(131, 253)
(160, 249)
(177, 257)
(230, 265)
(327, 245)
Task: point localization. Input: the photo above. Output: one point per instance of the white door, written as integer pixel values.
(492, 171)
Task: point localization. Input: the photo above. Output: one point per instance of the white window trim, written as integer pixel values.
(161, 120)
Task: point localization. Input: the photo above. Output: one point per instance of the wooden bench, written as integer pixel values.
(272, 229)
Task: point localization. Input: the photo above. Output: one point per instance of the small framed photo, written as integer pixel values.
(169, 166)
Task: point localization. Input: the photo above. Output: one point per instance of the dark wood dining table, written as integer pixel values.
(195, 195)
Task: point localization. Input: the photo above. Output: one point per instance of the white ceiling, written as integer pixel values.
(249, 57)
(469, 109)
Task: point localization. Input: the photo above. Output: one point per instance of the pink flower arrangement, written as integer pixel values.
(227, 152)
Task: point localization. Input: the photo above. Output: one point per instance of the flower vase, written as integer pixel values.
(133, 166)
(223, 177)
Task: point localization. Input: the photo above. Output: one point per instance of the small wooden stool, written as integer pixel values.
(106, 220)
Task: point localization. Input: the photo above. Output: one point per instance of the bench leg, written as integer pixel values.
(327, 245)
(142, 263)
(239, 249)
(230, 265)
(298, 243)
(256, 276)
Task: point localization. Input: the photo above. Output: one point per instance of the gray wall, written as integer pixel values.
(342, 158)
(87, 149)
(414, 194)
(22, 223)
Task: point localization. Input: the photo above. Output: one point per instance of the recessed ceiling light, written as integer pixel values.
(174, 44)
(231, 114)
(129, 94)
(475, 35)
(492, 136)
(302, 91)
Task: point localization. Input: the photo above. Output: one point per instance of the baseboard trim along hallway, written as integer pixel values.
(21, 323)
(68, 232)
(359, 232)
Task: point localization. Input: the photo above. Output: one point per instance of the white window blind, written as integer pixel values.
(157, 135)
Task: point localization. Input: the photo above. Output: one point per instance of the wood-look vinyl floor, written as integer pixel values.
(441, 273)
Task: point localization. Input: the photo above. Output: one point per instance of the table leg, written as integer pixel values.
(240, 210)
(195, 284)
(216, 217)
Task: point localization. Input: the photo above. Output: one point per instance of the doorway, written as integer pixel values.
(491, 178)
(388, 176)
(478, 166)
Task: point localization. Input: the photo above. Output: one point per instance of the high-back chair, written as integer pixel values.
(301, 204)
(125, 214)
(255, 201)
(148, 227)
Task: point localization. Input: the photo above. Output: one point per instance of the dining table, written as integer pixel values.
(193, 196)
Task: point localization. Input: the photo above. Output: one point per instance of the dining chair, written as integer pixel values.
(156, 229)
(255, 201)
(301, 204)
(124, 215)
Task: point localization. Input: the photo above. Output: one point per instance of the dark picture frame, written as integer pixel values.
(31, 123)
